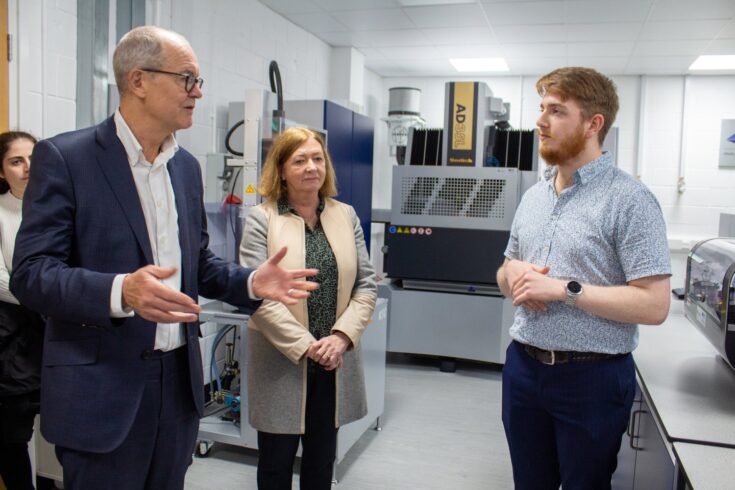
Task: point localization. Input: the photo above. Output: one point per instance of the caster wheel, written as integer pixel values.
(203, 449)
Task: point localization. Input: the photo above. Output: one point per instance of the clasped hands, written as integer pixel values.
(531, 287)
(144, 292)
(328, 351)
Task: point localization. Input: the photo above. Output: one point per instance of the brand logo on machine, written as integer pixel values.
(731, 139)
(464, 94)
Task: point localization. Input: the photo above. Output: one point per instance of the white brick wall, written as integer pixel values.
(235, 42)
(45, 66)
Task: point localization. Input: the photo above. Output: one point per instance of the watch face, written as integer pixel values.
(574, 287)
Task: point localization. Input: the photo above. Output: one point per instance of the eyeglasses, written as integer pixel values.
(190, 80)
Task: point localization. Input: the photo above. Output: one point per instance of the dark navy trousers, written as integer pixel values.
(158, 450)
(564, 423)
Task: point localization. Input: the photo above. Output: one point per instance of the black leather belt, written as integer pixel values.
(551, 357)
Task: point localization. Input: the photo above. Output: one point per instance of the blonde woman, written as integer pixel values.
(305, 376)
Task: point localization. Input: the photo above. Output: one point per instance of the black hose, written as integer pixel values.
(229, 135)
(274, 74)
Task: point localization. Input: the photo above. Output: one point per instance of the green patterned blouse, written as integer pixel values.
(322, 304)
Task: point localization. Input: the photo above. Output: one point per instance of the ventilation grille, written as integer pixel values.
(453, 197)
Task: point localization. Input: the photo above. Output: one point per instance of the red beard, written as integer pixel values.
(567, 149)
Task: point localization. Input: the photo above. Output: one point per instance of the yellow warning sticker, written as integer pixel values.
(250, 189)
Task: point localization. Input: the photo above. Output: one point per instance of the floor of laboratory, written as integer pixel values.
(440, 430)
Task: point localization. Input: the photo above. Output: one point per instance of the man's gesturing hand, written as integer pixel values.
(144, 292)
(274, 282)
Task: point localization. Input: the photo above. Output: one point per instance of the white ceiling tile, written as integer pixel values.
(470, 51)
(669, 48)
(503, 13)
(659, 65)
(534, 50)
(535, 66)
(292, 6)
(531, 33)
(372, 53)
(433, 65)
(535, 36)
(337, 5)
(720, 46)
(600, 49)
(347, 38)
(684, 29)
(578, 11)
(411, 52)
(613, 65)
(398, 37)
(408, 68)
(728, 32)
(454, 35)
(374, 20)
(447, 16)
(616, 31)
(418, 3)
(318, 22)
(380, 66)
(692, 10)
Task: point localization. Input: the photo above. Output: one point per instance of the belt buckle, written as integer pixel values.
(553, 359)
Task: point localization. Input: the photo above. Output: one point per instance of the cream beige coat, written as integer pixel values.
(278, 335)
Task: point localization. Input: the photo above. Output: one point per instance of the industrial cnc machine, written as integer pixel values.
(452, 207)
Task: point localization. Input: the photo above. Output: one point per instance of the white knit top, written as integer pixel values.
(10, 215)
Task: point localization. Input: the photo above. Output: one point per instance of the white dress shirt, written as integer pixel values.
(10, 215)
(161, 218)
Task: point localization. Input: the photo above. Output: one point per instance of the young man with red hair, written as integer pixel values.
(587, 261)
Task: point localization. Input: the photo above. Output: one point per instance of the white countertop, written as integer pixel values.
(706, 467)
(692, 389)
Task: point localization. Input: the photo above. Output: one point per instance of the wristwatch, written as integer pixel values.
(574, 291)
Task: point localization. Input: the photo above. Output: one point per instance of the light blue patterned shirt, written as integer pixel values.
(606, 229)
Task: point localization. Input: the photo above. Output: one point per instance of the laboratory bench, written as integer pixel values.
(685, 409)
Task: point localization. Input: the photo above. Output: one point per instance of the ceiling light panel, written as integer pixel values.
(476, 65)
(714, 62)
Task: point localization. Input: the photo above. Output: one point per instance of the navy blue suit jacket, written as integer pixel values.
(83, 224)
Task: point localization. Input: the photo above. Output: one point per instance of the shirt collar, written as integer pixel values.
(586, 173)
(285, 207)
(134, 150)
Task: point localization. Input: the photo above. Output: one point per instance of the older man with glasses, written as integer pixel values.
(113, 251)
